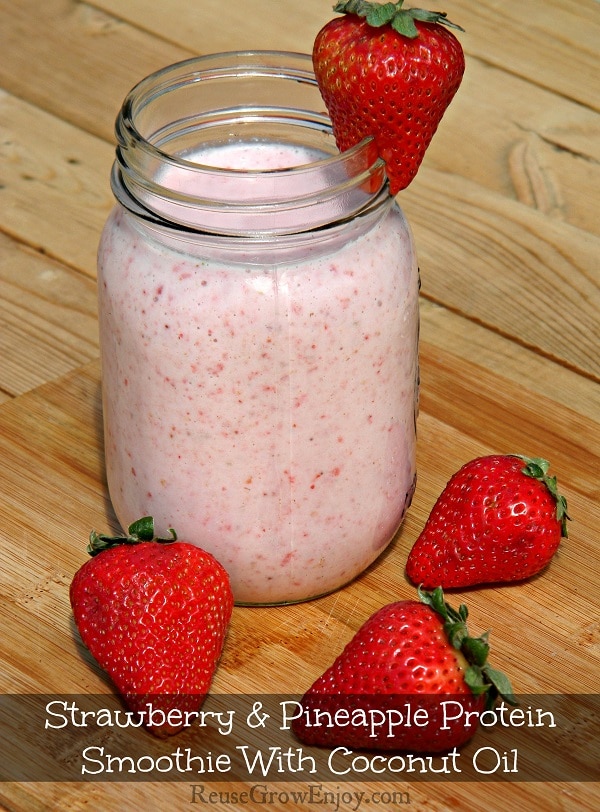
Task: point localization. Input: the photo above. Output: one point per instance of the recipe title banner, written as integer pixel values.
(248, 738)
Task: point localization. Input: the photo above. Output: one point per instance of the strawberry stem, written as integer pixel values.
(138, 532)
(402, 20)
(479, 676)
(538, 468)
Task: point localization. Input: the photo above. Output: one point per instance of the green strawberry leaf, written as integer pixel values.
(379, 15)
(475, 681)
(479, 675)
(142, 529)
(501, 683)
(137, 532)
(537, 468)
(401, 20)
(432, 599)
(476, 649)
(404, 24)
(457, 634)
(439, 17)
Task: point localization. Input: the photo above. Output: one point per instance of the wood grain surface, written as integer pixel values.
(506, 217)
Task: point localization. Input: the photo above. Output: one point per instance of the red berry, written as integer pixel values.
(500, 518)
(154, 615)
(390, 73)
(409, 654)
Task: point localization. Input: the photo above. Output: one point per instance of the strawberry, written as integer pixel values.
(390, 73)
(413, 658)
(154, 613)
(500, 518)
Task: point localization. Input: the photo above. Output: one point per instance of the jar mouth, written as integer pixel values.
(173, 120)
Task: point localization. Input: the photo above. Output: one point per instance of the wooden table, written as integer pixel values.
(506, 215)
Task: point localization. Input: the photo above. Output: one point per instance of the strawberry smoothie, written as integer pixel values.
(260, 394)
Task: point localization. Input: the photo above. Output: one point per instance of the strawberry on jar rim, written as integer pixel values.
(154, 613)
(390, 73)
(500, 518)
(412, 658)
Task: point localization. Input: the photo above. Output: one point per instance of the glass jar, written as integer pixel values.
(258, 301)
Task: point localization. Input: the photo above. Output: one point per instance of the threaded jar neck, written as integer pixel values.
(171, 122)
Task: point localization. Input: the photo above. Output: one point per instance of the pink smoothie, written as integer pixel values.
(265, 410)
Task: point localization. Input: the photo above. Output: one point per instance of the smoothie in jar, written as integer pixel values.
(259, 391)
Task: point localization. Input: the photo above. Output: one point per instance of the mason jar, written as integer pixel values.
(258, 303)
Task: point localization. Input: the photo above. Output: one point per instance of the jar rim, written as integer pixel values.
(252, 63)
(173, 186)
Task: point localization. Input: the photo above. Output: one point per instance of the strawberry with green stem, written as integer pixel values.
(390, 73)
(414, 658)
(499, 519)
(154, 613)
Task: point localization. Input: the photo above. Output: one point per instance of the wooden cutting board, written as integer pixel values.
(545, 632)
